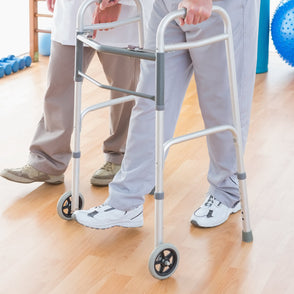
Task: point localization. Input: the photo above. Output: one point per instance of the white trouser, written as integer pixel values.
(137, 175)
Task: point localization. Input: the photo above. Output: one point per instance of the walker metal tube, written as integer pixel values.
(159, 165)
(117, 50)
(162, 27)
(81, 13)
(161, 47)
(198, 134)
(106, 104)
(110, 25)
(159, 126)
(76, 147)
(140, 94)
(200, 43)
(79, 52)
(246, 233)
(159, 140)
(233, 85)
(140, 23)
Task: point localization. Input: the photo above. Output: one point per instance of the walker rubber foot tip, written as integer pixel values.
(247, 236)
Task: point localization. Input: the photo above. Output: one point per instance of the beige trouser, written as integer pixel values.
(50, 150)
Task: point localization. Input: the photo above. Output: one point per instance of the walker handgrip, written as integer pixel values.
(182, 13)
(83, 7)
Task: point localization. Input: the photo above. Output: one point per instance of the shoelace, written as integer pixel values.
(99, 206)
(29, 170)
(107, 166)
(210, 201)
(26, 167)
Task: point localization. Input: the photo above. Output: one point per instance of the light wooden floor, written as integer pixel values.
(41, 253)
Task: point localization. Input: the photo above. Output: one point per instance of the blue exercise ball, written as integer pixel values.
(282, 29)
(44, 43)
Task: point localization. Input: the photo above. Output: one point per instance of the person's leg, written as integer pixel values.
(50, 148)
(137, 174)
(122, 72)
(214, 99)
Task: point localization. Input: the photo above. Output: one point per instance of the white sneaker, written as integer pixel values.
(212, 213)
(105, 216)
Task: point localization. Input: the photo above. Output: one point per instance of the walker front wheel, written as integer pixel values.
(64, 205)
(163, 261)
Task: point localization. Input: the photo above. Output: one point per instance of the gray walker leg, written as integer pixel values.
(71, 201)
(77, 124)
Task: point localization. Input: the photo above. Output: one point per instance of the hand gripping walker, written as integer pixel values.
(164, 259)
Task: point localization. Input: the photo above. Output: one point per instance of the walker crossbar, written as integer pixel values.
(132, 52)
(115, 88)
(107, 104)
(110, 25)
(198, 134)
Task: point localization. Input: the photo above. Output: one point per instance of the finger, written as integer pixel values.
(96, 15)
(49, 6)
(189, 17)
(53, 4)
(102, 5)
(95, 19)
(196, 19)
(107, 3)
(201, 19)
(181, 21)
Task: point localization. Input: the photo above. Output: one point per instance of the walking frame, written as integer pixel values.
(165, 257)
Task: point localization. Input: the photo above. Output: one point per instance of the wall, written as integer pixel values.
(14, 26)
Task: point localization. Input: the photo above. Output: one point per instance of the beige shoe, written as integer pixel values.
(28, 174)
(104, 175)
